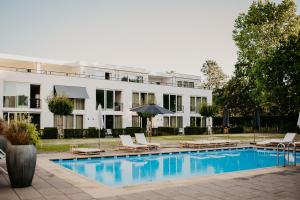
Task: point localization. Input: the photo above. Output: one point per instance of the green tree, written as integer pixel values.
(259, 34)
(60, 105)
(214, 75)
(208, 111)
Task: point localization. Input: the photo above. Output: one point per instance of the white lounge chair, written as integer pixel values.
(2, 157)
(141, 139)
(127, 143)
(288, 138)
(85, 151)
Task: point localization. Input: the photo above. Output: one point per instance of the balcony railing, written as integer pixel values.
(35, 103)
(118, 107)
(90, 76)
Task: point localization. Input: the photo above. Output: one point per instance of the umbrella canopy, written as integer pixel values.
(298, 123)
(256, 119)
(226, 117)
(152, 109)
(100, 117)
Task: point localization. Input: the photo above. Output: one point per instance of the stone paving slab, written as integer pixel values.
(281, 184)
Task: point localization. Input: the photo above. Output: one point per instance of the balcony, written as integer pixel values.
(112, 77)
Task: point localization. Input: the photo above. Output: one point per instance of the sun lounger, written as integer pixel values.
(208, 143)
(288, 138)
(127, 144)
(85, 151)
(141, 139)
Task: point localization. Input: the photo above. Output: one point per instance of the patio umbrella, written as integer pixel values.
(150, 111)
(256, 122)
(226, 123)
(100, 120)
(298, 123)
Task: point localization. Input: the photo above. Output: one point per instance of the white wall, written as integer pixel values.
(90, 113)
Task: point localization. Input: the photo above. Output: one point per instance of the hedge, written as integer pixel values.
(188, 130)
(161, 131)
(91, 132)
(49, 133)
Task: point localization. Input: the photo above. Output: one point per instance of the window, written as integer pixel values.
(173, 121)
(198, 104)
(185, 84)
(109, 99)
(151, 98)
(135, 100)
(166, 101)
(79, 121)
(191, 84)
(9, 101)
(173, 103)
(179, 122)
(135, 121)
(204, 100)
(179, 83)
(179, 103)
(196, 122)
(16, 94)
(107, 76)
(118, 121)
(166, 121)
(99, 98)
(69, 122)
(78, 104)
(143, 98)
(192, 104)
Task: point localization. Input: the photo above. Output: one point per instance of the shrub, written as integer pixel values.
(21, 132)
(132, 130)
(92, 132)
(73, 133)
(238, 129)
(194, 130)
(49, 133)
(60, 105)
(165, 131)
(118, 131)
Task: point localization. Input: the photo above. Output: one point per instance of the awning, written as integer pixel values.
(73, 92)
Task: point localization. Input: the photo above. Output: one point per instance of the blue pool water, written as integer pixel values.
(137, 169)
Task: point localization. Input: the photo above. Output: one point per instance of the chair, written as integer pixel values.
(127, 144)
(2, 157)
(108, 132)
(288, 138)
(141, 139)
(85, 151)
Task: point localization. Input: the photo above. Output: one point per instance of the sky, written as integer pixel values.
(159, 35)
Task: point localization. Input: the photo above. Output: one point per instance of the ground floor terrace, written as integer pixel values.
(54, 182)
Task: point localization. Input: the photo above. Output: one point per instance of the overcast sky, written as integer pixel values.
(159, 35)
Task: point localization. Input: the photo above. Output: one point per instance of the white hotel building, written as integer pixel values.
(25, 84)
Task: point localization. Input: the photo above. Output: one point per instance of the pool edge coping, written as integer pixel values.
(99, 190)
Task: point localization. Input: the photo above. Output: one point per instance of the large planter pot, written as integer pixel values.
(20, 161)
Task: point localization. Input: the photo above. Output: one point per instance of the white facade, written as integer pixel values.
(45, 74)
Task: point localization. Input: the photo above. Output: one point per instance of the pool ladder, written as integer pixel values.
(288, 153)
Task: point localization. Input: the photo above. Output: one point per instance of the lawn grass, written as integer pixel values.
(63, 145)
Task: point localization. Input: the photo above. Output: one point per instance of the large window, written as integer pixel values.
(196, 103)
(135, 121)
(173, 121)
(113, 121)
(173, 102)
(16, 94)
(109, 99)
(78, 104)
(79, 121)
(197, 122)
(69, 121)
(143, 98)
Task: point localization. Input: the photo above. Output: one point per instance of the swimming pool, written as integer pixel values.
(137, 169)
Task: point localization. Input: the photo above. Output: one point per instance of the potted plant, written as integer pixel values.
(21, 154)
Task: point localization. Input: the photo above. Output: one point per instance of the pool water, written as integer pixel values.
(131, 170)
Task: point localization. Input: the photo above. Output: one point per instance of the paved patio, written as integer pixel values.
(284, 184)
